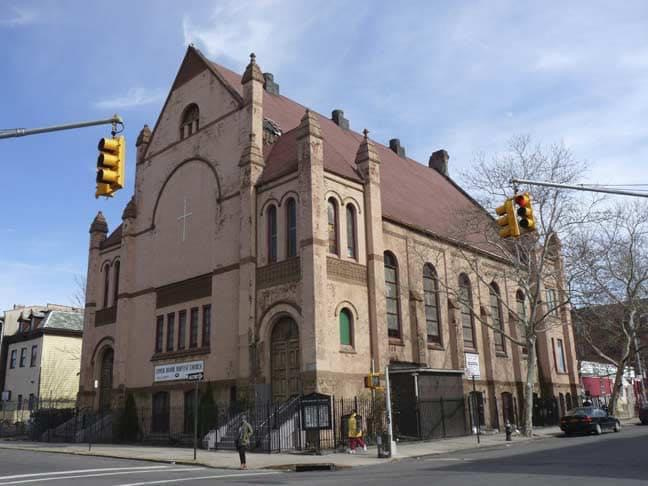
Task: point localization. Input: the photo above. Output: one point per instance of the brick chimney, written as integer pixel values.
(439, 162)
(338, 118)
(269, 84)
(395, 145)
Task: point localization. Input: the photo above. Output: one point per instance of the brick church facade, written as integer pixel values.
(280, 252)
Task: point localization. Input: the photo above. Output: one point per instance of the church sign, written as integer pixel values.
(316, 411)
(178, 371)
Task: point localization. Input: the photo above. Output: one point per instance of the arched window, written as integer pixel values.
(332, 210)
(431, 299)
(272, 233)
(291, 228)
(351, 231)
(466, 305)
(392, 295)
(346, 327)
(189, 124)
(520, 309)
(116, 285)
(106, 293)
(496, 314)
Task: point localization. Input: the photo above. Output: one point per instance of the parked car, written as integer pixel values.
(643, 414)
(588, 420)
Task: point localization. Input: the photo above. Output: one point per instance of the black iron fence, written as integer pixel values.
(293, 425)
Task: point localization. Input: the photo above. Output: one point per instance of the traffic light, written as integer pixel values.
(372, 380)
(525, 212)
(111, 165)
(507, 221)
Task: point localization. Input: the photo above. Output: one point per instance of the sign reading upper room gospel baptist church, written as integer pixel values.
(178, 371)
(472, 366)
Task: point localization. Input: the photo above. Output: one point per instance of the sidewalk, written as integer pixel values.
(229, 459)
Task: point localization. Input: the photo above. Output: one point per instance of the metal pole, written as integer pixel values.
(476, 408)
(578, 187)
(21, 132)
(390, 433)
(195, 419)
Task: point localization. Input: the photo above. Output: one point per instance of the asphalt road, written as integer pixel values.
(619, 459)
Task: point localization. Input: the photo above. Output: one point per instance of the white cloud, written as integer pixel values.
(235, 28)
(19, 17)
(134, 98)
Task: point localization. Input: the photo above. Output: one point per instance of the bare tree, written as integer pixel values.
(609, 268)
(79, 295)
(532, 262)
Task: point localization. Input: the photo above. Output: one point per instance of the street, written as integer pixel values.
(611, 458)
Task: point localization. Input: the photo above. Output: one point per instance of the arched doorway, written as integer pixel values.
(106, 379)
(284, 359)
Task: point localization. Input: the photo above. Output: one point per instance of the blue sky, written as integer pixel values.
(464, 76)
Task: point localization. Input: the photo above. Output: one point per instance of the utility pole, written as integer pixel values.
(22, 132)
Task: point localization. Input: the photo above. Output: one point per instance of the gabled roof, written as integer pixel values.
(412, 193)
(67, 321)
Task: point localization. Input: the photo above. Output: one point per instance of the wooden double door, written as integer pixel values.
(285, 361)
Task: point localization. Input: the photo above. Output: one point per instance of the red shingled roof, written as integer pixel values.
(412, 193)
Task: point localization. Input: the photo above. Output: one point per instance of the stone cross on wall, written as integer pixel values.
(184, 217)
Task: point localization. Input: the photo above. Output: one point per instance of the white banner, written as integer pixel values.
(472, 365)
(178, 371)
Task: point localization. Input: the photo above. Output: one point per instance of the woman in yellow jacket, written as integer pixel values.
(355, 433)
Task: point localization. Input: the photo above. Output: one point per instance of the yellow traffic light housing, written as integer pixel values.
(525, 212)
(111, 165)
(507, 221)
(372, 380)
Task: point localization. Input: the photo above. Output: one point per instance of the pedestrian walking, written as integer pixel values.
(355, 433)
(243, 439)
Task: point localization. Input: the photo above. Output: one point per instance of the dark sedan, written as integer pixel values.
(588, 420)
(643, 414)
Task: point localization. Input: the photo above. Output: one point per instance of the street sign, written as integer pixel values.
(472, 366)
(196, 376)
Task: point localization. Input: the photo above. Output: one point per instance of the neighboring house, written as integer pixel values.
(280, 252)
(598, 379)
(43, 359)
(18, 316)
(599, 323)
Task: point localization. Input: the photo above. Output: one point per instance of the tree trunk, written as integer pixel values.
(529, 387)
(618, 382)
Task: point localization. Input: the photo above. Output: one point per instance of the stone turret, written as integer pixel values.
(252, 121)
(98, 233)
(312, 229)
(99, 225)
(368, 164)
(251, 165)
(143, 140)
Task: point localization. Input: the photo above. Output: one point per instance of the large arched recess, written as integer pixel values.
(186, 223)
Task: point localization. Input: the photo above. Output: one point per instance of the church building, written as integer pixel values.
(279, 252)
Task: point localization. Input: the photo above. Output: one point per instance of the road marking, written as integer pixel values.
(221, 476)
(117, 473)
(79, 471)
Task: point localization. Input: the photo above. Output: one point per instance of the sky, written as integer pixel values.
(465, 76)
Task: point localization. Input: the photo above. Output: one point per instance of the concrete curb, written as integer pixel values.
(289, 466)
(182, 462)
